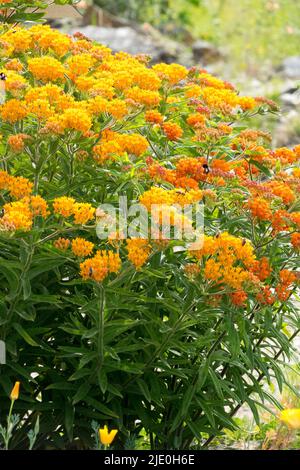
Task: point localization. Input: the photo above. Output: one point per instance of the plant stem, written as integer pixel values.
(7, 436)
(100, 342)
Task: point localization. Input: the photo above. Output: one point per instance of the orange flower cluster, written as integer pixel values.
(19, 215)
(18, 186)
(82, 247)
(228, 261)
(295, 240)
(17, 142)
(260, 209)
(93, 106)
(138, 251)
(153, 116)
(265, 296)
(66, 207)
(62, 244)
(115, 145)
(262, 269)
(172, 130)
(286, 280)
(99, 267)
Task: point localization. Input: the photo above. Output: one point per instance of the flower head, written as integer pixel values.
(291, 417)
(14, 394)
(106, 437)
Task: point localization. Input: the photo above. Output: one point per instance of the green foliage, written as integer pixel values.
(155, 12)
(252, 32)
(147, 351)
(19, 11)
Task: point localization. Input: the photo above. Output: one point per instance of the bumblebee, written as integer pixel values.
(205, 168)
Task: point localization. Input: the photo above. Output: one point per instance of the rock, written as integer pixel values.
(290, 67)
(63, 24)
(287, 132)
(120, 34)
(205, 52)
(144, 40)
(290, 98)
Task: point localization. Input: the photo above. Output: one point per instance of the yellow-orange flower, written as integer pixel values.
(46, 68)
(62, 244)
(64, 206)
(106, 437)
(138, 251)
(38, 206)
(13, 110)
(83, 212)
(98, 267)
(291, 417)
(14, 394)
(172, 130)
(20, 187)
(82, 247)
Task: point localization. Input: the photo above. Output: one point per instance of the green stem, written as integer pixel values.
(7, 436)
(100, 319)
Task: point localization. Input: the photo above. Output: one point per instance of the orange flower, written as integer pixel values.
(260, 208)
(266, 297)
(17, 142)
(291, 417)
(196, 120)
(46, 68)
(172, 130)
(287, 279)
(64, 206)
(98, 267)
(14, 394)
(83, 212)
(39, 206)
(262, 269)
(62, 244)
(295, 240)
(106, 438)
(239, 298)
(138, 251)
(20, 187)
(82, 247)
(13, 110)
(153, 116)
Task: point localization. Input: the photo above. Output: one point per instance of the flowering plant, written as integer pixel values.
(152, 333)
(16, 11)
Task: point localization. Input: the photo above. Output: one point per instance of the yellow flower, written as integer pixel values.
(82, 247)
(13, 111)
(138, 251)
(64, 206)
(14, 394)
(46, 69)
(291, 417)
(83, 212)
(76, 119)
(106, 437)
(99, 267)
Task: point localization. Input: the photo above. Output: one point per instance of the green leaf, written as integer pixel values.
(29, 340)
(82, 392)
(144, 389)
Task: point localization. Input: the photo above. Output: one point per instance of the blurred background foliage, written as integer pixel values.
(252, 31)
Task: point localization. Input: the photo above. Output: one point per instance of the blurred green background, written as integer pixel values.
(254, 33)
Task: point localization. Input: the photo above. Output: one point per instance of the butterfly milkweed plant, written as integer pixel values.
(162, 337)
